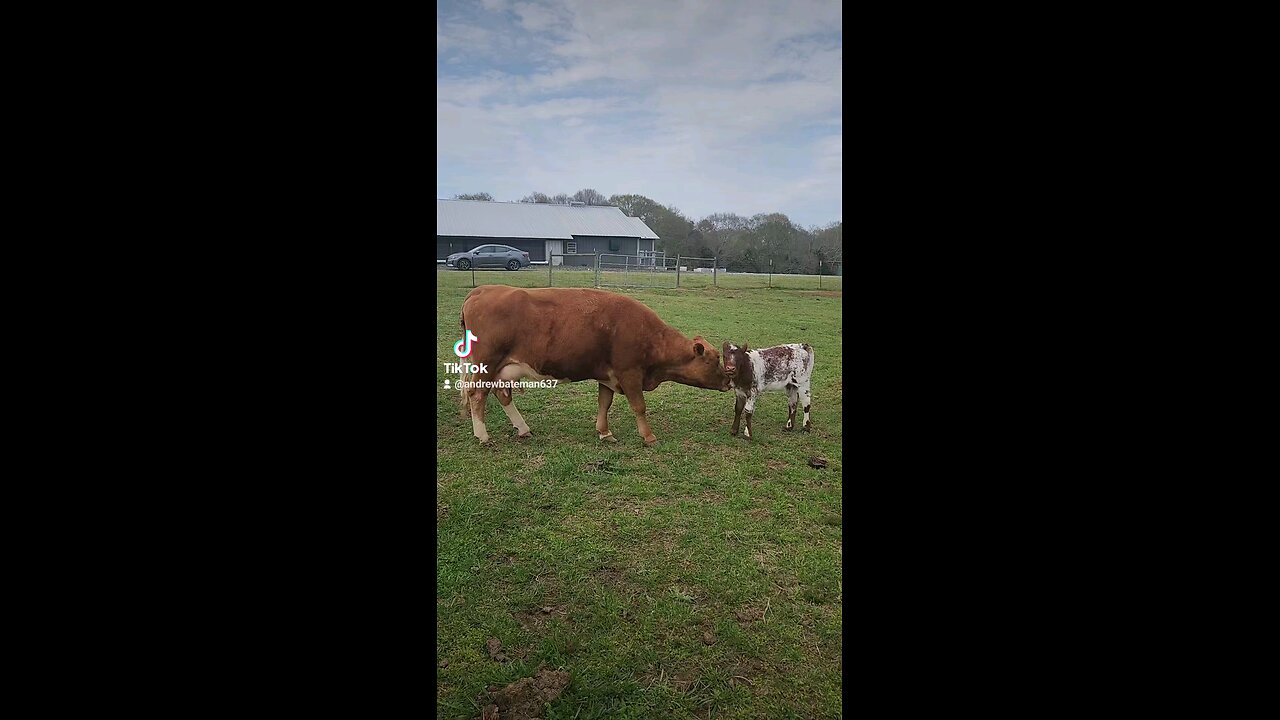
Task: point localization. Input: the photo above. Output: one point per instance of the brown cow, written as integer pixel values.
(573, 334)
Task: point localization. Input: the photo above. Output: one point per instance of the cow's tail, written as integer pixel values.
(809, 356)
(464, 408)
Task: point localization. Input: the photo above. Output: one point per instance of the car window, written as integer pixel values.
(485, 249)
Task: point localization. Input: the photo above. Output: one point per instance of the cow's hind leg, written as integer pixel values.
(793, 398)
(602, 417)
(508, 374)
(509, 407)
(476, 398)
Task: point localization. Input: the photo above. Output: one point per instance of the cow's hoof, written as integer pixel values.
(608, 438)
(651, 443)
(733, 433)
(486, 441)
(788, 428)
(808, 428)
(525, 436)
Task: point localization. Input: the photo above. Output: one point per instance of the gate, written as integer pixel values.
(573, 269)
(645, 271)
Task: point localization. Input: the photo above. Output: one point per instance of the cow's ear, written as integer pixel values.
(744, 347)
(697, 347)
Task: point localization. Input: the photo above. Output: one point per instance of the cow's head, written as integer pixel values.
(704, 370)
(734, 358)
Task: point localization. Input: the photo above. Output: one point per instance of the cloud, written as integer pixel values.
(712, 107)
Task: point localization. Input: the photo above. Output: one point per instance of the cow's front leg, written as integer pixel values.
(737, 412)
(635, 396)
(749, 410)
(602, 417)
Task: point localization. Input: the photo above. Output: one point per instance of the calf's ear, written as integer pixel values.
(697, 347)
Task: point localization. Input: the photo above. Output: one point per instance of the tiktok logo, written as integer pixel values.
(462, 348)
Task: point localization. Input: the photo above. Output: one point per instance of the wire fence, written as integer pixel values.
(611, 270)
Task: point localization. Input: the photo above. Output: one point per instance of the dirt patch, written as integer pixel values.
(524, 698)
(749, 614)
(442, 512)
(760, 513)
(712, 496)
(537, 618)
(609, 575)
(825, 293)
(536, 463)
(494, 646)
(684, 680)
(776, 465)
(679, 680)
(748, 671)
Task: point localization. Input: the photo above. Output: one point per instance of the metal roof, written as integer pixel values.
(481, 218)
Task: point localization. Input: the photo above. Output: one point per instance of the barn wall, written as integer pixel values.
(601, 244)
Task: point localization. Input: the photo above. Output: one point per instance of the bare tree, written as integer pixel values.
(474, 196)
(536, 197)
(561, 199)
(590, 197)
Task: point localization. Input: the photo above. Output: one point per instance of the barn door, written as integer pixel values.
(555, 247)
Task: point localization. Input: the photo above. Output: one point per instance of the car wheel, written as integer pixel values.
(464, 264)
(513, 265)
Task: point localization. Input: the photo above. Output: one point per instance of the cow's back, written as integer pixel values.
(566, 333)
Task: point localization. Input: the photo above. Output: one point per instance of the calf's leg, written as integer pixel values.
(750, 410)
(737, 412)
(807, 397)
(793, 397)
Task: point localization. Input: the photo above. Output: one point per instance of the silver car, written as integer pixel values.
(489, 256)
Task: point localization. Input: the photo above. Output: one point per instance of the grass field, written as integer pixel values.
(700, 578)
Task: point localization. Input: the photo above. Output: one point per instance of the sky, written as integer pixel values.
(703, 105)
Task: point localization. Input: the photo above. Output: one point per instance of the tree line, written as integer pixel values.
(743, 244)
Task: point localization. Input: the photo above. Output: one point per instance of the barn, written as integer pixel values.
(541, 229)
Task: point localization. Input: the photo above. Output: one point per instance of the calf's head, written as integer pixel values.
(734, 358)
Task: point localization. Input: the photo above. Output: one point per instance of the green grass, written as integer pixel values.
(640, 551)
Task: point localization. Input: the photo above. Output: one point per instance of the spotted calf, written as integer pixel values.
(782, 367)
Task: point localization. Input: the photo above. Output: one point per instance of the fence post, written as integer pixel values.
(473, 276)
(677, 269)
(770, 272)
(819, 274)
(715, 267)
(551, 260)
(626, 270)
